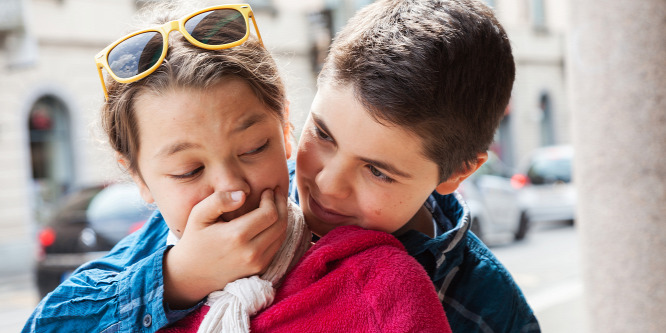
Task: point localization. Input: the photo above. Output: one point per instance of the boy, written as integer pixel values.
(408, 103)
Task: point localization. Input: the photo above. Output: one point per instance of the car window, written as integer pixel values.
(493, 166)
(550, 170)
(116, 209)
(73, 207)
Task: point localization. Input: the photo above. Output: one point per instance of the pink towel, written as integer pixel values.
(351, 280)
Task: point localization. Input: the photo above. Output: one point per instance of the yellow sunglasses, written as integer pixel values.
(138, 54)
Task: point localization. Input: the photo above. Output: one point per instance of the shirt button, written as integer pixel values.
(147, 320)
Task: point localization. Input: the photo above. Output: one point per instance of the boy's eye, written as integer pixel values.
(321, 134)
(256, 150)
(190, 174)
(380, 175)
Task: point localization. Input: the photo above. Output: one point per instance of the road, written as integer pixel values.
(18, 297)
(546, 265)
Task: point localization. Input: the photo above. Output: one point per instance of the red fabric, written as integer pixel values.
(351, 280)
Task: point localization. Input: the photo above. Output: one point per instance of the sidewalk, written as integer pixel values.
(18, 298)
(560, 308)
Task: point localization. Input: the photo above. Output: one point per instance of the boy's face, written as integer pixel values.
(352, 170)
(194, 143)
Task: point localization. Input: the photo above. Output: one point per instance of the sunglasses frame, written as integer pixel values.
(101, 59)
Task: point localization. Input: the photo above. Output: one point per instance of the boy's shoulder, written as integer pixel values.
(482, 293)
(474, 287)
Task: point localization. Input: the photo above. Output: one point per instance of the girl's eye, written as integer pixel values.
(190, 174)
(256, 150)
(321, 134)
(380, 175)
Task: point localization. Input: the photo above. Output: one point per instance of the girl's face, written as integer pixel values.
(196, 142)
(352, 170)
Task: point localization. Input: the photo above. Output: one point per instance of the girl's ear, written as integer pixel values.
(451, 184)
(287, 131)
(144, 191)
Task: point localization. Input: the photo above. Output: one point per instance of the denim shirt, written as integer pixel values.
(124, 291)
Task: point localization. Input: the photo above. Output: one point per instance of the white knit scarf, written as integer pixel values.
(231, 308)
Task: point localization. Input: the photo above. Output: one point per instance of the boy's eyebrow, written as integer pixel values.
(386, 166)
(321, 124)
(382, 165)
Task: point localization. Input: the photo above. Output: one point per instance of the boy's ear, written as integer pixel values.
(144, 191)
(451, 184)
(287, 131)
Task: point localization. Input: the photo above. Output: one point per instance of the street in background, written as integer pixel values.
(546, 188)
(493, 203)
(85, 227)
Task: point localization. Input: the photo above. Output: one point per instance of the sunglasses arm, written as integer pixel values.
(256, 29)
(101, 78)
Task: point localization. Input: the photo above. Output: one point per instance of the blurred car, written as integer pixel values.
(546, 188)
(493, 201)
(87, 224)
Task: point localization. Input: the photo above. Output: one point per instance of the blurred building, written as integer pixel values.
(538, 114)
(50, 95)
(50, 92)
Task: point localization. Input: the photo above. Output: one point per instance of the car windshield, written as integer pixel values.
(493, 166)
(73, 208)
(116, 209)
(550, 170)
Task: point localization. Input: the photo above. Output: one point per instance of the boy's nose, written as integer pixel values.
(334, 180)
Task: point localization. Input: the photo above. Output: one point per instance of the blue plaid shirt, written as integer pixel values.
(123, 291)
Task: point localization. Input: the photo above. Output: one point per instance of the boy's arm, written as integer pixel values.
(118, 293)
(477, 291)
(482, 295)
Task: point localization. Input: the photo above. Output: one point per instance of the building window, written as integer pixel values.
(51, 154)
(546, 120)
(320, 33)
(538, 14)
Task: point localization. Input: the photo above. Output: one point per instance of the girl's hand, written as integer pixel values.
(211, 254)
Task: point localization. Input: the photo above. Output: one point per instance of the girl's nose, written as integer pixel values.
(230, 178)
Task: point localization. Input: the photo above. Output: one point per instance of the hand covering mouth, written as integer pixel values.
(228, 216)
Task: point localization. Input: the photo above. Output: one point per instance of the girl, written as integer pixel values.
(199, 121)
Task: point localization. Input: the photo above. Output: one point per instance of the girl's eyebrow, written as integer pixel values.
(245, 123)
(175, 148)
(249, 121)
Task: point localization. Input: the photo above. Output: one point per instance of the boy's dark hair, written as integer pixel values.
(442, 69)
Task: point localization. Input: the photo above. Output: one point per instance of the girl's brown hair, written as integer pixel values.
(188, 66)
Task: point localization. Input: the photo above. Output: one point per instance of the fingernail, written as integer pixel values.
(237, 196)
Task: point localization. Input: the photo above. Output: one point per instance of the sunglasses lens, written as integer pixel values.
(136, 54)
(217, 27)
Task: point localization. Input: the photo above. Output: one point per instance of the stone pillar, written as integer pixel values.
(617, 74)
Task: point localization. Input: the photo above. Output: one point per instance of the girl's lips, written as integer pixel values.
(327, 215)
